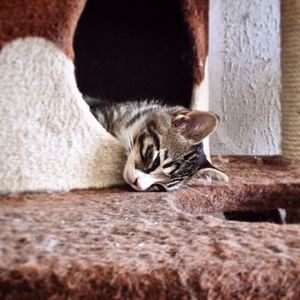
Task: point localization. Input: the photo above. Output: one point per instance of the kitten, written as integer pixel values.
(163, 143)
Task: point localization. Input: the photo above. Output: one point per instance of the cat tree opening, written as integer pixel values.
(134, 50)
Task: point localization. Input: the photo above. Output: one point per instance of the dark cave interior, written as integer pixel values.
(134, 50)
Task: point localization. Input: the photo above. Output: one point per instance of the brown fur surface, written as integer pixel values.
(54, 20)
(117, 244)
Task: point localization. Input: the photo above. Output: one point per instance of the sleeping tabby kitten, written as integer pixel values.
(163, 143)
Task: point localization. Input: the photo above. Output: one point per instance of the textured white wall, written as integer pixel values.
(244, 75)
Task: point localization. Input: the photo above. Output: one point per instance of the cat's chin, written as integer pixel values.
(157, 188)
(152, 188)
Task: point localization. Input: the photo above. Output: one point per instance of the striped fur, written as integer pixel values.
(159, 156)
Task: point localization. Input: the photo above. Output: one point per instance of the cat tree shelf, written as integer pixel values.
(116, 243)
(119, 244)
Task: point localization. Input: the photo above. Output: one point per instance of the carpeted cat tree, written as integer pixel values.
(115, 244)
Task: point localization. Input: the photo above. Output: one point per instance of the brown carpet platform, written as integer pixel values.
(119, 244)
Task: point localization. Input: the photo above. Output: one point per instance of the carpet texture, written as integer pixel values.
(49, 140)
(254, 183)
(118, 244)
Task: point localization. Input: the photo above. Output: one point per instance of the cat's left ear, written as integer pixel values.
(196, 125)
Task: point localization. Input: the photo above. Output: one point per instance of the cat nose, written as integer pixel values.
(137, 183)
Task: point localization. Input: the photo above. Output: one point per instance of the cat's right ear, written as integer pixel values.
(196, 125)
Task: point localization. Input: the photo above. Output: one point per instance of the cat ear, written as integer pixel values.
(212, 173)
(196, 125)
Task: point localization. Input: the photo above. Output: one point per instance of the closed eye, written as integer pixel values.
(155, 164)
(149, 153)
(168, 165)
(174, 166)
(186, 157)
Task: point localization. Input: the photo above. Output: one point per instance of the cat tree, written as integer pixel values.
(290, 58)
(114, 244)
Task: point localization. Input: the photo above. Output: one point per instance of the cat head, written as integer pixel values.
(168, 151)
